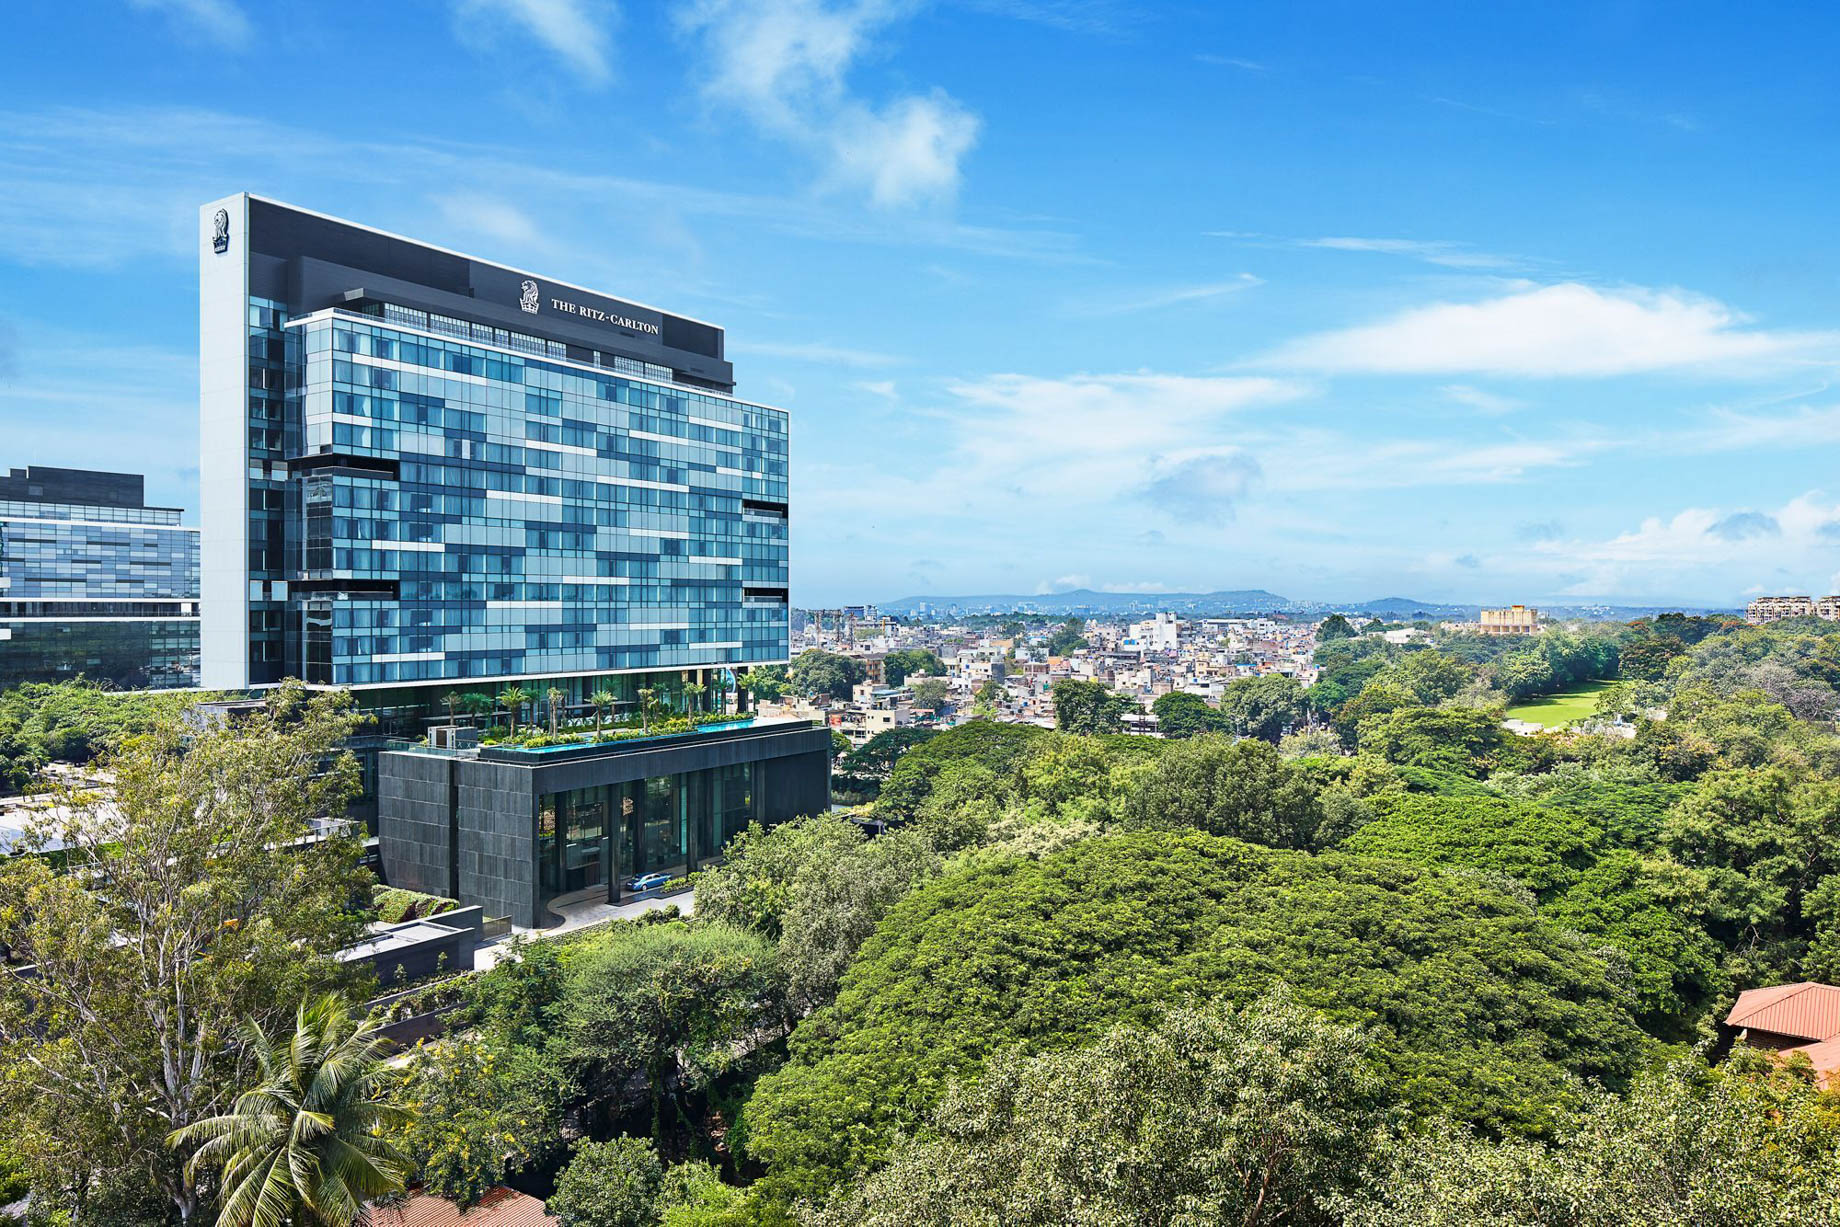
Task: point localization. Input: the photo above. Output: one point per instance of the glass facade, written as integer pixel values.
(598, 838)
(492, 514)
(107, 590)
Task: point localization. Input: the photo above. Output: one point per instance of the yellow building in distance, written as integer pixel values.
(1514, 620)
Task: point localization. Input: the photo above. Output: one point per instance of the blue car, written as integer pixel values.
(647, 881)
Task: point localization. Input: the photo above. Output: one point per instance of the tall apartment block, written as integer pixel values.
(425, 473)
(95, 583)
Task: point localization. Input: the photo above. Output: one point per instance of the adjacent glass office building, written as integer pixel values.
(95, 583)
(422, 469)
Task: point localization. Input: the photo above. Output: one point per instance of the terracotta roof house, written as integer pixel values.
(500, 1207)
(1788, 1018)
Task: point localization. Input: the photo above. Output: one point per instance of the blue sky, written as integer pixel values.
(1456, 301)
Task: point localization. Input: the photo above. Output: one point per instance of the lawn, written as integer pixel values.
(1558, 710)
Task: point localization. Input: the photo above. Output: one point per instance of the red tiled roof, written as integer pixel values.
(501, 1207)
(1824, 1056)
(1806, 1011)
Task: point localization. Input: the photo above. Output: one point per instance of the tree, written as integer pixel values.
(452, 700)
(1460, 740)
(768, 682)
(997, 747)
(1747, 1145)
(513, 698)
(931, 692)
(668, 1001)
(1334, 627)
(483, 1105)
(609, 1184)
(553, 701)
(693, 695)
(1068, 638)
(1763, 838)
(1243, 789)
(1053, 952)
(831, 915)
(1215, 1115)
(304, 1144)
(1265, 706)
(816, 887)
(1430, 677)
(1088, 707)
(900, 665)
(1180, 714)
(602, 702)
(966, 798)
(985, 701)
(647, 697)
(820, 673)
(195, 904)
(878, 755)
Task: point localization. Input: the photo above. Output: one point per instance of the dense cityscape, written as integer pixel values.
(441, 782)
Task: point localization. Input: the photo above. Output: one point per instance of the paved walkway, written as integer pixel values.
(584, 915)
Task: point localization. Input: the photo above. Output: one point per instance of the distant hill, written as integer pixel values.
(1244, 601)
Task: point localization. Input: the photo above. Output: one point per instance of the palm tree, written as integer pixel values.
(554, 697)
(514, 698)
(693, 691)
(305, 1145)
(600, 701)
(721, 687)
(477, 704)
(453, 705)
(646, 694)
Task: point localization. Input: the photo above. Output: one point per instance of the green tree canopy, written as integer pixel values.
(1088, 707)
(669, 1001)
(1243, 789)
(904, 663)
(1266, 706)
(1476, 1007)
(826, 674)
(1214, 1115)
(1180, 714)
(1067, 638)
(1746, 1146)
(609, 1184)
(192, 907)
(1334, 627)
(306, 1144)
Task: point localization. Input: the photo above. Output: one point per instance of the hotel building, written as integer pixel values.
(425, 473)
(95, 583)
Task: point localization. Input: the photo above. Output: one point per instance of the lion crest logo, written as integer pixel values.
(529, 299)
(220, 231)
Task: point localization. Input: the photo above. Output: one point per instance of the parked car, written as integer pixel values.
(647, 881)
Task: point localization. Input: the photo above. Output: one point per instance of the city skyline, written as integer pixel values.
(1466, 307)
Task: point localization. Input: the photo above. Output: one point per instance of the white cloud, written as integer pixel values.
(1127, 302)
(784, 64)
(1205, 488)
(128, 182)
(476, 213)
(1699, 548)
(1560, 330)
(577, 32)
(883, 388)
(1228, 61)
(1444, 252)
(1492, 403)
(221, 21)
